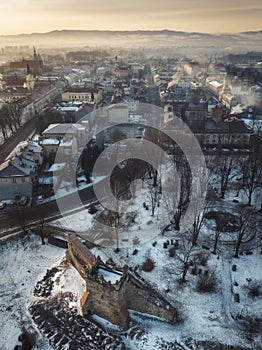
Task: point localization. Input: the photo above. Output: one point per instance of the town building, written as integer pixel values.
(66, 137)
(35, 63)
(90, 95)
(18, 174)
(118, 113)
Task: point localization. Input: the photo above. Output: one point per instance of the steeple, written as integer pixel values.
(226, 88)
(35, 54)
(28, 70)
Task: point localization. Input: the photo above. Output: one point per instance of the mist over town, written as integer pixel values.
(130, 175)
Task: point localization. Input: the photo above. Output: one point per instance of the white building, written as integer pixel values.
(118, 113)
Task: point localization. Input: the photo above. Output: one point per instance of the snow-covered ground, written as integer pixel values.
(214, 317)
(207, 316)
(204, 315)
(23, 262)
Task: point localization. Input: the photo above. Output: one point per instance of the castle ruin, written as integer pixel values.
(110, 292)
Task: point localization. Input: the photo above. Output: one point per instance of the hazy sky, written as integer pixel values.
(27, 16)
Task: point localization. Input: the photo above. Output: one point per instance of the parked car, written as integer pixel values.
(2, 205)
(23, 200)
(40, 198)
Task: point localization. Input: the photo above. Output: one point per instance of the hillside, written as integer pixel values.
(246, 41)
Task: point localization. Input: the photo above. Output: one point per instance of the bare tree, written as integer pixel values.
(4, 121)
(10, 117)
(183, 257)
(251, 168)
(183, 195)
(224, 165)
(117, 135)
(154, 193)
(113, 218)
(15, 113)
(199, 219)
(41, 229)
(217, 235)
(246, 228)
(176, 194)
(23, 221)
(135, 169)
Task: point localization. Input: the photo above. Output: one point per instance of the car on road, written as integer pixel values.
(23, 200)
(2, 205)
(40, 199)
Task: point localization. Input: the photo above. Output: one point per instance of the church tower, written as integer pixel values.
(226, 88)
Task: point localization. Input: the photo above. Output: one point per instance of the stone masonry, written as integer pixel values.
(111, 292)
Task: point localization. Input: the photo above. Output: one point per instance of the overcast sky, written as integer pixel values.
(27, 16)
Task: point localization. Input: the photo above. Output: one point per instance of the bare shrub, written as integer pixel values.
(92, 209)
(172, 252)
(148, 265)
(202, 258)
(254, 290)
(206, 283)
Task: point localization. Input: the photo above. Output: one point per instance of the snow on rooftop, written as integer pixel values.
(57, 167)
(66, 142)
(68, 109)
(238, 109)
(215, 83)
(50, 141)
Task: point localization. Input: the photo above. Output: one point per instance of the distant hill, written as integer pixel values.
(183, 41)
(77, 33)
(252, 32)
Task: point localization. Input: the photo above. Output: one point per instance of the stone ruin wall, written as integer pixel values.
(139, 299)
(106, 301)
(78, 259)
(111, 301)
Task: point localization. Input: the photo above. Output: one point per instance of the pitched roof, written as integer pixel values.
(7, 169)
(62, 128)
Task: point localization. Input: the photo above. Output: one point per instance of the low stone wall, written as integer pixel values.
(140, 298)
(58, 242)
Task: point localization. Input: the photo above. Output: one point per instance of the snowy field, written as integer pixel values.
(207, 319)
(23, 262)
(204, 316)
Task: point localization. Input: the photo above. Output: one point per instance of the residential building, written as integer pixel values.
(90, 95)
(118, 113)
(18, 174)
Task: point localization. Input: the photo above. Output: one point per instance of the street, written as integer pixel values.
(21, 135)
